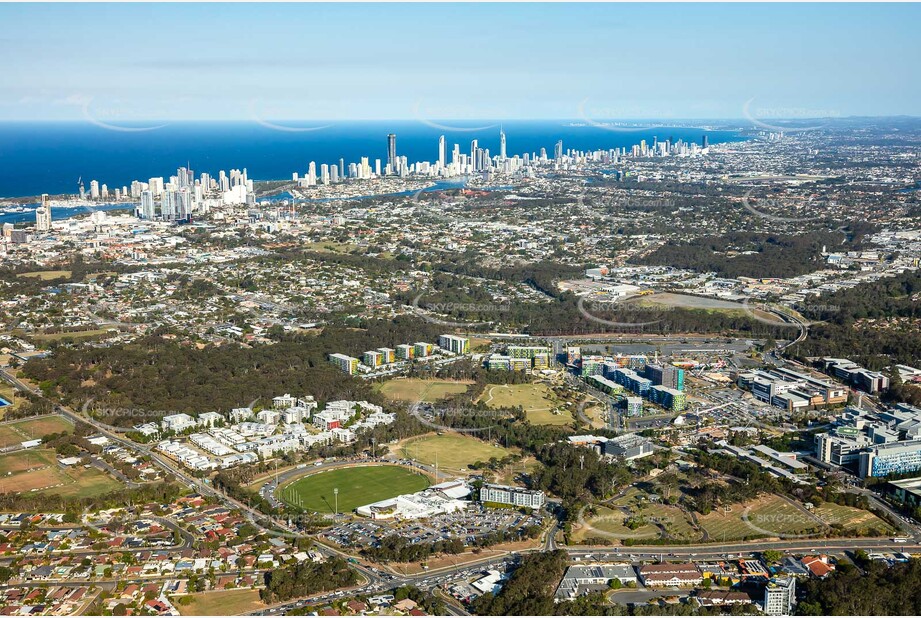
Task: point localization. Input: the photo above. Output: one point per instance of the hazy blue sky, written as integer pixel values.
(120, 63)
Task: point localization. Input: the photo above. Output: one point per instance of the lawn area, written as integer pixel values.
(31, 429)
(220, 603)
(16, 432)
(594, 411)
(508, 475)
(850, 518)
(479, 344)
(668, 299)
(329, 246)
(84, 483)
(33, 480)
(671, 518)
(38, 469)
(358, 485)
(632, 495)
(609, 523)
(77, 334)
(537, 401)
(47, 275)
(20, 461)
(416, 389)
(454, 451)
(9, 437)
(765, 517)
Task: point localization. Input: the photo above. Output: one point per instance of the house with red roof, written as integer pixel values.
(819, 566)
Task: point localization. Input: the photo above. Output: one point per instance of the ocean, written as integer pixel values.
(49, 157)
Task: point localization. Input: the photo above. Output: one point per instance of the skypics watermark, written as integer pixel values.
(430, 414)
(430, 116)
(750, 205)
(752, 311)
(784, 525)
(761, 115)
(97, 412)
(591, 308)
(112, 116)
(257, 115)
(603, 117)
(110, 412)
(425, 310)
(600, 204)
(639, 202)
(786, 319)
(632, 526)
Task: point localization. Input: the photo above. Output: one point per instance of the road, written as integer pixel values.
(713, 551)
(378, 580)
(615, 420)
(255, 517)
(787, 317)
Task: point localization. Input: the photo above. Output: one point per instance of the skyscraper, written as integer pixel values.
(183, 204)
(168, 203)
(705, 142)
(501, 144)
(156, 185)
(441, 151)
(558, 151)
(473, 150)
(43, 215)
(392, 152)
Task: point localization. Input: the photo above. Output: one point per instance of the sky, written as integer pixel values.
(127, 63)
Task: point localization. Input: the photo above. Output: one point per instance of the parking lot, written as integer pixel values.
(475, 522)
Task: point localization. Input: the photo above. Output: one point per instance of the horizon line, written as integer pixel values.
(576, 120)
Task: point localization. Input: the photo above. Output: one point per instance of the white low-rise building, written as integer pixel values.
(238, 415)
(211, 419)
(178, 422)
(435, 500)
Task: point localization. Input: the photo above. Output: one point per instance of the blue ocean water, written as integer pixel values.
(59, 213)
(49, 158)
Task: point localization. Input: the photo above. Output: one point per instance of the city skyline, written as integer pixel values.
(86, 62)
(460, 309)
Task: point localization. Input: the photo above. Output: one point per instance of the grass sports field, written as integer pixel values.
(9, 437)
(77, 334)
(219, 603)
(84, 483)
(358, 485)
(38, 470)
(46, 275)
(329, 246)
(415, 389)
(15, 432)
(454, 451)
(21, 461)
(537, 401)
